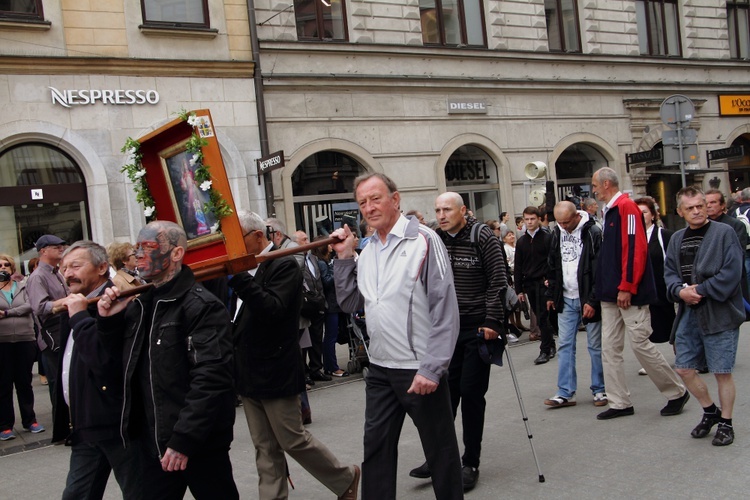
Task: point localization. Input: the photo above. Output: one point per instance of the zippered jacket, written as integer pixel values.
(96, 383)
(18, 325)
(591, 236)
(187, 374)
(410, 303)
(623, 263)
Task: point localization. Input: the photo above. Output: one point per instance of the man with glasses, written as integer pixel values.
(46, 289)
(178, 388)
(270, 373)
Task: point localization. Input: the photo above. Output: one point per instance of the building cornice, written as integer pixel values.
(24, 65)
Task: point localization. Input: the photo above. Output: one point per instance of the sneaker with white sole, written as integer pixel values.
(512, 339)
(600, 399)
(560, 402)
(7, 435)
(34, 428)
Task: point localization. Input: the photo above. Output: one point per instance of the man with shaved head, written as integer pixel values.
(480, 281)
(575, 244)
(178, 402)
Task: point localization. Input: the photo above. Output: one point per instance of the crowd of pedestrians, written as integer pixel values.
(146, 386)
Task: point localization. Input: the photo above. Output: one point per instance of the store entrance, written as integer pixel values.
(42, 191)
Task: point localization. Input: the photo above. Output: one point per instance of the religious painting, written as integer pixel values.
(188, 198)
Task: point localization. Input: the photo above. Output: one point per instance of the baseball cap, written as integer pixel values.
(48, 240)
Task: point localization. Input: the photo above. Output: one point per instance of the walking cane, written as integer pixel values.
(523, 414)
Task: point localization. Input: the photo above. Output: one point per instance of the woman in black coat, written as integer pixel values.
(662, 311)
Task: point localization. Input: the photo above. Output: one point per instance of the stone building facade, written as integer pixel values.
(575, 89)
(60, 161)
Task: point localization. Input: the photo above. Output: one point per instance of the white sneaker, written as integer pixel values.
(600, 399)
(512, 339)
(642, 371)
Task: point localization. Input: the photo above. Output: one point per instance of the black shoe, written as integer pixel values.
(470, 476)
(675, 406)
(309, 381)
(320, 376)
(707, 422)
(552, 352)
(421, 472)
(724, 436)
(614, 413)
(543, 358)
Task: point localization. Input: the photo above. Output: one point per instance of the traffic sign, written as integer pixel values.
(669, 137)
(677, 111)
(672, 155)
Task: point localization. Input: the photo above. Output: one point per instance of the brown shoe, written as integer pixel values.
(534, 336)
(353, 489)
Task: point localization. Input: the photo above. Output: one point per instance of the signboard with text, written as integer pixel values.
(734, 105)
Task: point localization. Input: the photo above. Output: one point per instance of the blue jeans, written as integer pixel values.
(90, 464)
(567, 323)
(694, 349)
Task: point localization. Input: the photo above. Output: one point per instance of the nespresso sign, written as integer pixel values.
(70, 98)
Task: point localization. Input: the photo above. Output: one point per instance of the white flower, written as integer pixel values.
(131, 156)
(139, 174)
(206, 185)
(193, 120)
(193, 160)
(149, 211)
(215, 227)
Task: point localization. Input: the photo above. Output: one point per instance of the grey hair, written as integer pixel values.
(607, 174)
(250, 221)
(97, 253)
(745, 194)
(276, 224)
(589, 202)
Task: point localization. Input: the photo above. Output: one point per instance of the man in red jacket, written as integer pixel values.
(625, 286)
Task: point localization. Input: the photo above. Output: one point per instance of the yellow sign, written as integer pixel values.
(734, 105)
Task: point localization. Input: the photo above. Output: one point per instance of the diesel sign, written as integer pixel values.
(466, 106)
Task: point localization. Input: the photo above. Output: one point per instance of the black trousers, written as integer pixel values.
(315, 351)
(208, 475)
(535, 291)
(386, 405)
(468, 380)
(16, 362)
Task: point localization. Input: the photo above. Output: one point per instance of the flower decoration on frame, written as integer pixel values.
(135, 171)
(137, 174)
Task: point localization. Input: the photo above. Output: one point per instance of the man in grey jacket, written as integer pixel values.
(703, 271)
(404, 281)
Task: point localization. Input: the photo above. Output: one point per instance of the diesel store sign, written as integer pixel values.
(475, 106)
(69, 98)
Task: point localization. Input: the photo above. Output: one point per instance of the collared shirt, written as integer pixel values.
(44, 286)
(384, 250)
(68, 354)
(611, 202)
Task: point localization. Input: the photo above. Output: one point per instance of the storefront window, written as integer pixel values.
(575, 167)
(42, 191)
(472, 173)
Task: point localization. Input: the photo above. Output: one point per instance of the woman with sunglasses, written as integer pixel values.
(17, 353)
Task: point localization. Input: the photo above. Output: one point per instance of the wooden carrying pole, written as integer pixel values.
(232, 266)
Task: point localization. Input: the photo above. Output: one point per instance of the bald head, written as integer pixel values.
(450, 211)
(160, 248)
(566, 216)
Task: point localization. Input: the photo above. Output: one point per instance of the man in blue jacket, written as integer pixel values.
(703, 273)
(625, 286)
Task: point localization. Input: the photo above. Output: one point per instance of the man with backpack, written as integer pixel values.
(479, 277)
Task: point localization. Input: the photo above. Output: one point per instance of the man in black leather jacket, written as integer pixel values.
(179, 398)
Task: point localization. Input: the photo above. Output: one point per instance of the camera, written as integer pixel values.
(4, 276)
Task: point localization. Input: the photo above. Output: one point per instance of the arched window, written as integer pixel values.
(472, 173)
(323, 187)
(42, 191)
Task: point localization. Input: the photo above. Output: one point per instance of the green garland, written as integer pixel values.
(137, 175)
